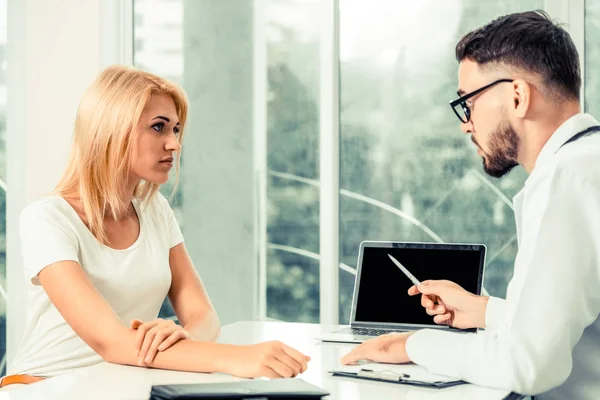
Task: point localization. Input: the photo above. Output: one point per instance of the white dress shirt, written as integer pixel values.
(544, 339)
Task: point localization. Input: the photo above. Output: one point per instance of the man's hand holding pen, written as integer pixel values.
(450, 304)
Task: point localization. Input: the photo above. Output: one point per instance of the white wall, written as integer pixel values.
(54, 53)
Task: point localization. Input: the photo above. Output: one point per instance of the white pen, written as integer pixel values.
(410, 276)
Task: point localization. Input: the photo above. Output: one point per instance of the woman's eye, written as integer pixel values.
(158, 127)
(176, 130)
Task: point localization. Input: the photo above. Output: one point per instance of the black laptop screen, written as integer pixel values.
(382, 293)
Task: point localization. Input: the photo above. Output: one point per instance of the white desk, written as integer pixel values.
(111, 381)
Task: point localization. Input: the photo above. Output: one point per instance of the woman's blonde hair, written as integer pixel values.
(98, 169)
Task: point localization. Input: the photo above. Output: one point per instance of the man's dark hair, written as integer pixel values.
(532, 42)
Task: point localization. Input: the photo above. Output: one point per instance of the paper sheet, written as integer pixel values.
(416, 372)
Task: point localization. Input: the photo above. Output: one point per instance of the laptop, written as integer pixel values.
(381, 303)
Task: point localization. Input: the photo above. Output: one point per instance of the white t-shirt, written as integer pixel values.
(134, 281)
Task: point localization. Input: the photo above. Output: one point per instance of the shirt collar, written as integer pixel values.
(572, 126)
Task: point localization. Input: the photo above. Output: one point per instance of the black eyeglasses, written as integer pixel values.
(460, 107)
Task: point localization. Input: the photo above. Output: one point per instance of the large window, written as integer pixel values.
(407, 171)
(252, 72)
(253, 65)
(291, 33)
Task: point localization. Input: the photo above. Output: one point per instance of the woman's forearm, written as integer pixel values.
(272, 359)
(204, 327)
(185, 355)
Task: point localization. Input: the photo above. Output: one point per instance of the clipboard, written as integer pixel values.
(398, 374)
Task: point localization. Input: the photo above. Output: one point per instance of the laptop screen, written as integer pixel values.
(382, 293)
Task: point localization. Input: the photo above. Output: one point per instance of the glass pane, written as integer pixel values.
(401, 144)
(292, 35)
(592, 58)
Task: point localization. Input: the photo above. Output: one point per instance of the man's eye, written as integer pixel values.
(158, 127)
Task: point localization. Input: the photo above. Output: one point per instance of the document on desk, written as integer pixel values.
(410, 374)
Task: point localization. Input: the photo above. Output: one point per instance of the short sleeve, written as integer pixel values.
(44, 240)
(175, 235)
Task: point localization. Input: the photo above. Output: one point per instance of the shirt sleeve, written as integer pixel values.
(44, 240)
(173, 229)
(494, 313)
(554, 296)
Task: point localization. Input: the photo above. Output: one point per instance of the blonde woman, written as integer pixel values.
(102, 253)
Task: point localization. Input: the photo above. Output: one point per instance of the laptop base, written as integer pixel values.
(357, 335)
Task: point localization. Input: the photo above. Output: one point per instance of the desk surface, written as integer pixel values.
(113, 381)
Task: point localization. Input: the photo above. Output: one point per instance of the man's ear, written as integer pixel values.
(521, 97)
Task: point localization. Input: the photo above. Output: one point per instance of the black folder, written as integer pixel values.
(275, 389)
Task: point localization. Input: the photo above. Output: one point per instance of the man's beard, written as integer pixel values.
(503, 150)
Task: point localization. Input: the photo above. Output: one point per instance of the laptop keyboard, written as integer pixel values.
(372, 331)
